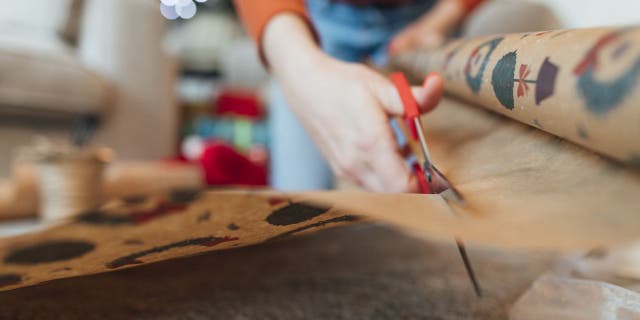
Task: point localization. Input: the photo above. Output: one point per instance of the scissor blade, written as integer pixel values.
(467, 265)
(441, 185)
(423, 145)
(451, 195)
(438, 182)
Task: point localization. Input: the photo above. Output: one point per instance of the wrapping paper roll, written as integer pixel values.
(582, 85)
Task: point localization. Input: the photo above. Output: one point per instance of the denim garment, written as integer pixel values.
(354, 33)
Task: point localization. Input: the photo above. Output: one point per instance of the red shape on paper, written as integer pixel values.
(591, 58)
(523, 87)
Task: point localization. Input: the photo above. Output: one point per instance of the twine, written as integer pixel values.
(68, 188)
(70, 179)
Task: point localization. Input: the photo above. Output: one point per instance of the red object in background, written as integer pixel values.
(223, 165)
(239, 103)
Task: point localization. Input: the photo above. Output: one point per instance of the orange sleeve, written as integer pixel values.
(469, 5)
(255, 14)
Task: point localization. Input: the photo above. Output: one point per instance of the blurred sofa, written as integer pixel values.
(60, 59)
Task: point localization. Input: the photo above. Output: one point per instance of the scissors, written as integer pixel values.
(430, 179)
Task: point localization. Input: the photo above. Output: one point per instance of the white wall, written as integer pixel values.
(591, 13)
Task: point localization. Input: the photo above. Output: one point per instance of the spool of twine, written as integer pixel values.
(69, 187)
(70, 181)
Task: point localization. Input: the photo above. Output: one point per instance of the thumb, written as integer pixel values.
(426, 96)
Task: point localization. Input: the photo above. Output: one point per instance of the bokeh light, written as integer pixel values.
(174, 9)
(187, 11)
(183, 3)
(168, 11)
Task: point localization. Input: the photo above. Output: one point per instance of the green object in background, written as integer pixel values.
(242, 138)
(224, 129)
(187, 129)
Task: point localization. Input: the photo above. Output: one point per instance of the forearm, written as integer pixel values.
(289, 45)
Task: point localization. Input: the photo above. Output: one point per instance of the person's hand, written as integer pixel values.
(346, 110)
(345, 107)
(431, 30)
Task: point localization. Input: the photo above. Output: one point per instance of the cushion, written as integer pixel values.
(47, 15)
(39, 72)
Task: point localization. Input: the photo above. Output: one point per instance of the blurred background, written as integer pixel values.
(591, 13)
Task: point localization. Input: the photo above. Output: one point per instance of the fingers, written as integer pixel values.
(374, 160)
(384, 172)
(387, 170)
(426, 96)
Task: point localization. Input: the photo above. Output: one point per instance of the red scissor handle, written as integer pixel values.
(422, 179)
(409, 103)
(411, 112)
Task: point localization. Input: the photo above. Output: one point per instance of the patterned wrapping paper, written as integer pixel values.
(582, 85)
(523, 188)
(135, 231)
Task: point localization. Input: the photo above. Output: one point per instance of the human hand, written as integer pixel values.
(431, 30)
(346, 108)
